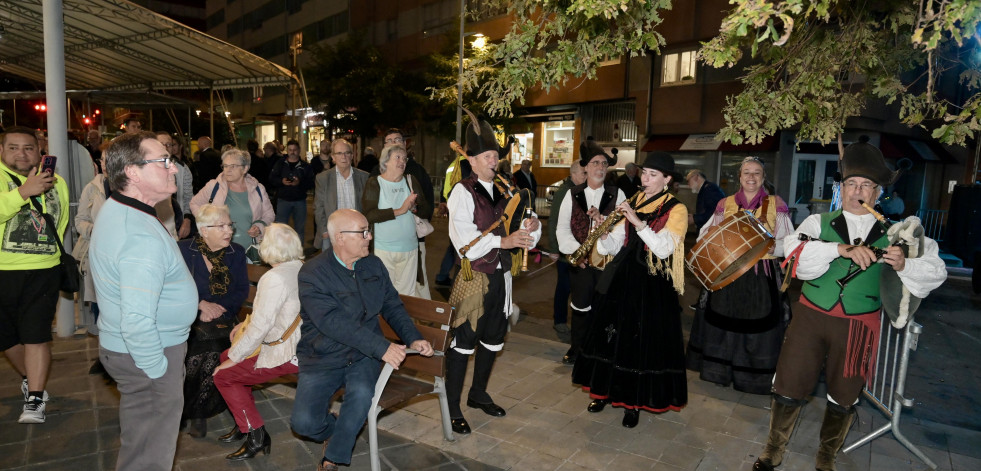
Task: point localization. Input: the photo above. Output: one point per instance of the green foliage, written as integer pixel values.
(551, 42)
(356, 89)
(815, 63)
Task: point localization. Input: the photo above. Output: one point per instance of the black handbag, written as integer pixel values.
(71, 276)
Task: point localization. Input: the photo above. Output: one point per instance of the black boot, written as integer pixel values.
(483, 363)
(783, 417)
(456, 372)
(258, 440)
(232, 436)
(198, 428)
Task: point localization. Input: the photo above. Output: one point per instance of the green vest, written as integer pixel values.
(861, 294)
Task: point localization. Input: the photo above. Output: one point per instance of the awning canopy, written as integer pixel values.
(125, 98)
(117, 45)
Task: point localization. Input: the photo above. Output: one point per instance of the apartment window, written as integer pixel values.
(678, 68)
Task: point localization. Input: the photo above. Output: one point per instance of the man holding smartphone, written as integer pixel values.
(29, 263)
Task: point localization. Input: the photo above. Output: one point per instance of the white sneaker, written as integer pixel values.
(33, 411)
(23, 389)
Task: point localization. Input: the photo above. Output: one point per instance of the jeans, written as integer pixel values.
(311, 408)
(298, 209)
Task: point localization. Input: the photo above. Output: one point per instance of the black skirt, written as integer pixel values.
(201, 398)
(737, 333)
(634, 353)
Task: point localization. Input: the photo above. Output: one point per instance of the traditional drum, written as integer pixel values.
(729, 250)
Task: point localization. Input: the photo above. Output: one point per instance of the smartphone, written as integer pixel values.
(48, 164)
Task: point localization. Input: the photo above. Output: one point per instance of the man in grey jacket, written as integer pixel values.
(337, 188)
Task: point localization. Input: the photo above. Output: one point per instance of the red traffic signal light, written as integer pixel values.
(41, 107)
(97, 112)
(87, 121)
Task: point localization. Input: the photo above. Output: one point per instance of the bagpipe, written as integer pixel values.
(518, 208)
(897, 302)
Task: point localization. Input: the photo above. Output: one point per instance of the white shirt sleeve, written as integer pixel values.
(785, 227)
(660, 243)
(925, 273)
(614, 240)
(816, 256)
(462, 229)
(563, 229)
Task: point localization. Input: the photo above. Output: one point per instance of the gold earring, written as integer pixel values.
(665, 187)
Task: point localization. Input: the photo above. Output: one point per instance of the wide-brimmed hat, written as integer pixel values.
(589, 149)
(862, 159)
(480, 138)
(662, 162)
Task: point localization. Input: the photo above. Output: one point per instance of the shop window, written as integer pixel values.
(559, 143)
(678, 68)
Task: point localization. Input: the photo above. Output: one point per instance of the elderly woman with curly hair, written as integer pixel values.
(389, 202)
(273, 331)
(219, 270)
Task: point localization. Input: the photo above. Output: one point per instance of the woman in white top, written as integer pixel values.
(389, 203)
(274, 328)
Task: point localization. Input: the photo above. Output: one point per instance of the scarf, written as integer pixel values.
(219, 279)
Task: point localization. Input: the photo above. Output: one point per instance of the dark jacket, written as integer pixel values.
(208, 166)
(238, 287)
(340, 310)
(708, 198)
(286, 169)
(628, 185)
(528, 182)
(553, 214)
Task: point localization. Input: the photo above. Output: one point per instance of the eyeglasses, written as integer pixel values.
(345, 153)
(227, 166)
(365, 233)
(227, 227)
(167, 162)
(866, 186)
(394, 140)
(599, 163)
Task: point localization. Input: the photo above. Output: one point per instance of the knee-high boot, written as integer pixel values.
(783, 416)
(456, 372)
(483, 363)
(834, 429)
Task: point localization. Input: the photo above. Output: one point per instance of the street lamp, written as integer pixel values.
(480, 42)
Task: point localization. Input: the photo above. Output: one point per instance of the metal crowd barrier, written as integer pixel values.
(886, 388)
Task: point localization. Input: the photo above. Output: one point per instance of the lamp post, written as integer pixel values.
(459, 77)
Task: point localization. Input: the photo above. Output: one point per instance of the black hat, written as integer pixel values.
(480, 138)
(589, 149)
(662, 162)
(862, 159)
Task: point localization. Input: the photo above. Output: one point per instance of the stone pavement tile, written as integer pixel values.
(464, 465)
(107, 417)
(755, 415)
(594, 456)
(961, 462)
(538, 462)
(584, 426)
(503, 427)
(659, 466)
(107, 459)
(513, 373)
(287, 455)
(109, 437)
(663, 429)
(190, 448)
(505, 454)
(573, 404)
(625, 461)
(758, 401)
(471, 445)
(698, 437)
(67, 421)
(13, 432)
(682, 456)
(540, 416)
(519, 390)
(752, 431)
(964, 442)
(426, 406)
(391, 418)
(544, 365)
(412, 429)
(85, 462)
(13, 455)
(730, 449)
(643, 444)
(705, 388)
(561, 444)
(409, 456)
(797, 462)
(60, 447)
(615, 436)
(880, 462)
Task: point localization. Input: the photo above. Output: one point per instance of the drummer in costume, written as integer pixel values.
(584, 207)
(737, 332)
(834, 326)
(481, 294)
(634, 353)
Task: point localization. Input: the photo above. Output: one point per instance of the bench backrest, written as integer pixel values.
(432, 318)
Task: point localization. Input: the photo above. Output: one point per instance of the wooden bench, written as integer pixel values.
(418, 375)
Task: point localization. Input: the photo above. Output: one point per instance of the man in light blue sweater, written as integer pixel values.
(147, 301)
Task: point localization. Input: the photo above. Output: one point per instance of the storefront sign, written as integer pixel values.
(700, 142)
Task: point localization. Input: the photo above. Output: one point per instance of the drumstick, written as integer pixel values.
(875, 213)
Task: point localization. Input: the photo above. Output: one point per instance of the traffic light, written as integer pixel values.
(41, 108)
(97, 112)
(87, 121)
